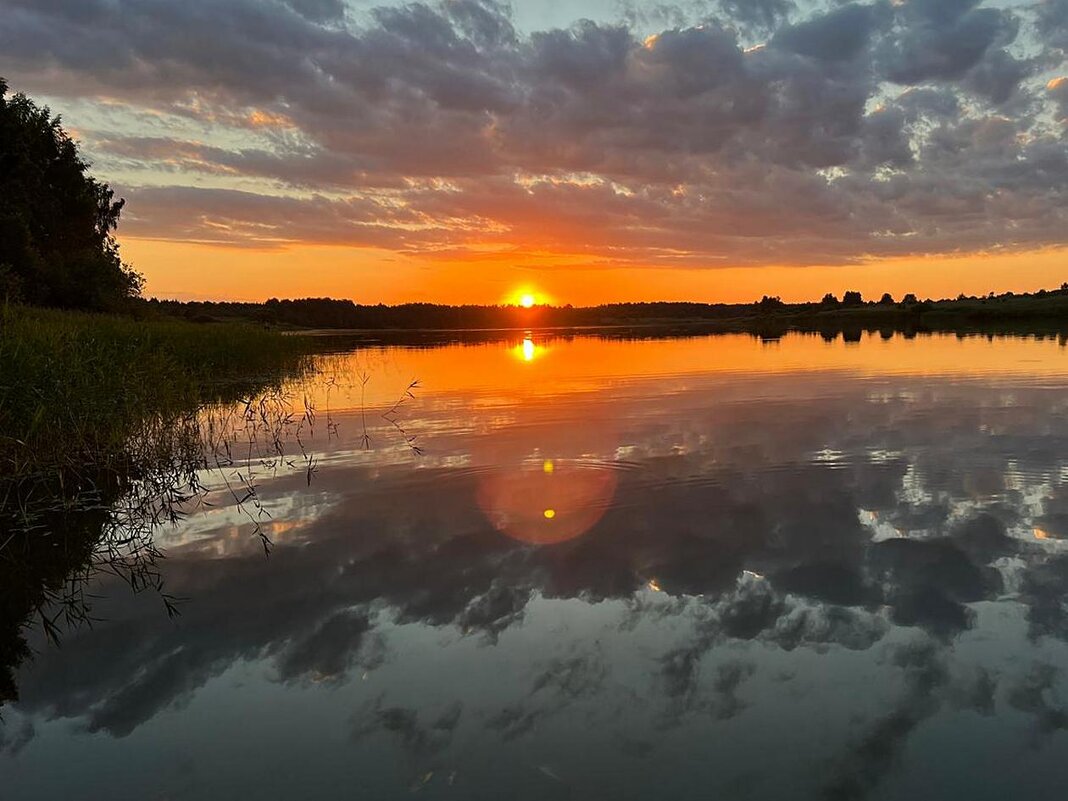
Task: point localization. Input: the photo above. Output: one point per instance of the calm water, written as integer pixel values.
(682, 569)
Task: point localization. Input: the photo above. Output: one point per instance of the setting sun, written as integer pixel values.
(526, 301)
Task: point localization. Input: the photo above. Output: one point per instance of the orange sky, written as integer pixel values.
(175, 269)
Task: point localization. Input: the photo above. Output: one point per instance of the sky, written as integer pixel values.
(583, 152)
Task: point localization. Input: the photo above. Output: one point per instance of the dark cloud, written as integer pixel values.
(1052, 23)
(943, 40)
(442, 127)
(839, 35)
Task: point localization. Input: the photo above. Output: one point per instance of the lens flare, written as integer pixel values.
(541, 506)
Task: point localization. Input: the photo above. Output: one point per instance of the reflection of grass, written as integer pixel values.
(74, 386)
(101, 442)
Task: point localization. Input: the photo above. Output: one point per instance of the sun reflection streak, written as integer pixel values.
(527, 351)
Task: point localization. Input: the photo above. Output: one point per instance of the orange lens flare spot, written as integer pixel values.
(534, 505)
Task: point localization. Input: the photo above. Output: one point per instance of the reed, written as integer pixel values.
(74, 386)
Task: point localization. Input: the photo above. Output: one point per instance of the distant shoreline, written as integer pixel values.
(1047, 309)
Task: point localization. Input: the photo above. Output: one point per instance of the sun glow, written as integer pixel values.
(526, 297)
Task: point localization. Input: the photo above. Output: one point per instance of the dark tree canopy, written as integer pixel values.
(56, 222)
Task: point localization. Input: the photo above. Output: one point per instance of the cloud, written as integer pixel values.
(846, 134)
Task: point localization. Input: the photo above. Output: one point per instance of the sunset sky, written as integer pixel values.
(581, 152)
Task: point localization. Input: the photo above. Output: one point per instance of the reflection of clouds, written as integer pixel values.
(15, 735)
(1036, 695)
(755, 549)
(327, 652)
(877, 748)
(419, 736)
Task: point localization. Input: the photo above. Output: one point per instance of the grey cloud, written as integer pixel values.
(840, 35)
(943, 40)
(998, 76)
(1052, 23)
(686, 143)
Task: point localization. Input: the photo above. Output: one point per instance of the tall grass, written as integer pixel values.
(101, 442)
(73, 387)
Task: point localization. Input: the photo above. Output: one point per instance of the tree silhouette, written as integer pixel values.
(770, 303)
(886, 300)
(56, 222)
(829, 300)
(852, 299)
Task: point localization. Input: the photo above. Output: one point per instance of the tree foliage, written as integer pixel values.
(57, 246)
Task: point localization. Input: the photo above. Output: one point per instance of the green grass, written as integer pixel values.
(74, 386)
(100, 444)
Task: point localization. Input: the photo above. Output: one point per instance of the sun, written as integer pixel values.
(526, 301)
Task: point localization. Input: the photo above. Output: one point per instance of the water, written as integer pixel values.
(681, 568)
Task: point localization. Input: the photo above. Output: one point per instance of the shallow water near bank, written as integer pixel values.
(579, 567)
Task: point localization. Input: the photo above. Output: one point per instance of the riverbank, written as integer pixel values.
(73, 386)
(100, 444)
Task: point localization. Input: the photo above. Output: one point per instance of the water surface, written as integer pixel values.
(690, 568)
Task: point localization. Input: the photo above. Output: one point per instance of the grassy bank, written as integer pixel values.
(100, 444)
(73, 386)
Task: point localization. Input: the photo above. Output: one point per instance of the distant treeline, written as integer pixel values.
(1048, 305)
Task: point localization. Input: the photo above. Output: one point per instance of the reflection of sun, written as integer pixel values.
(526, 301)
(527, 351)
